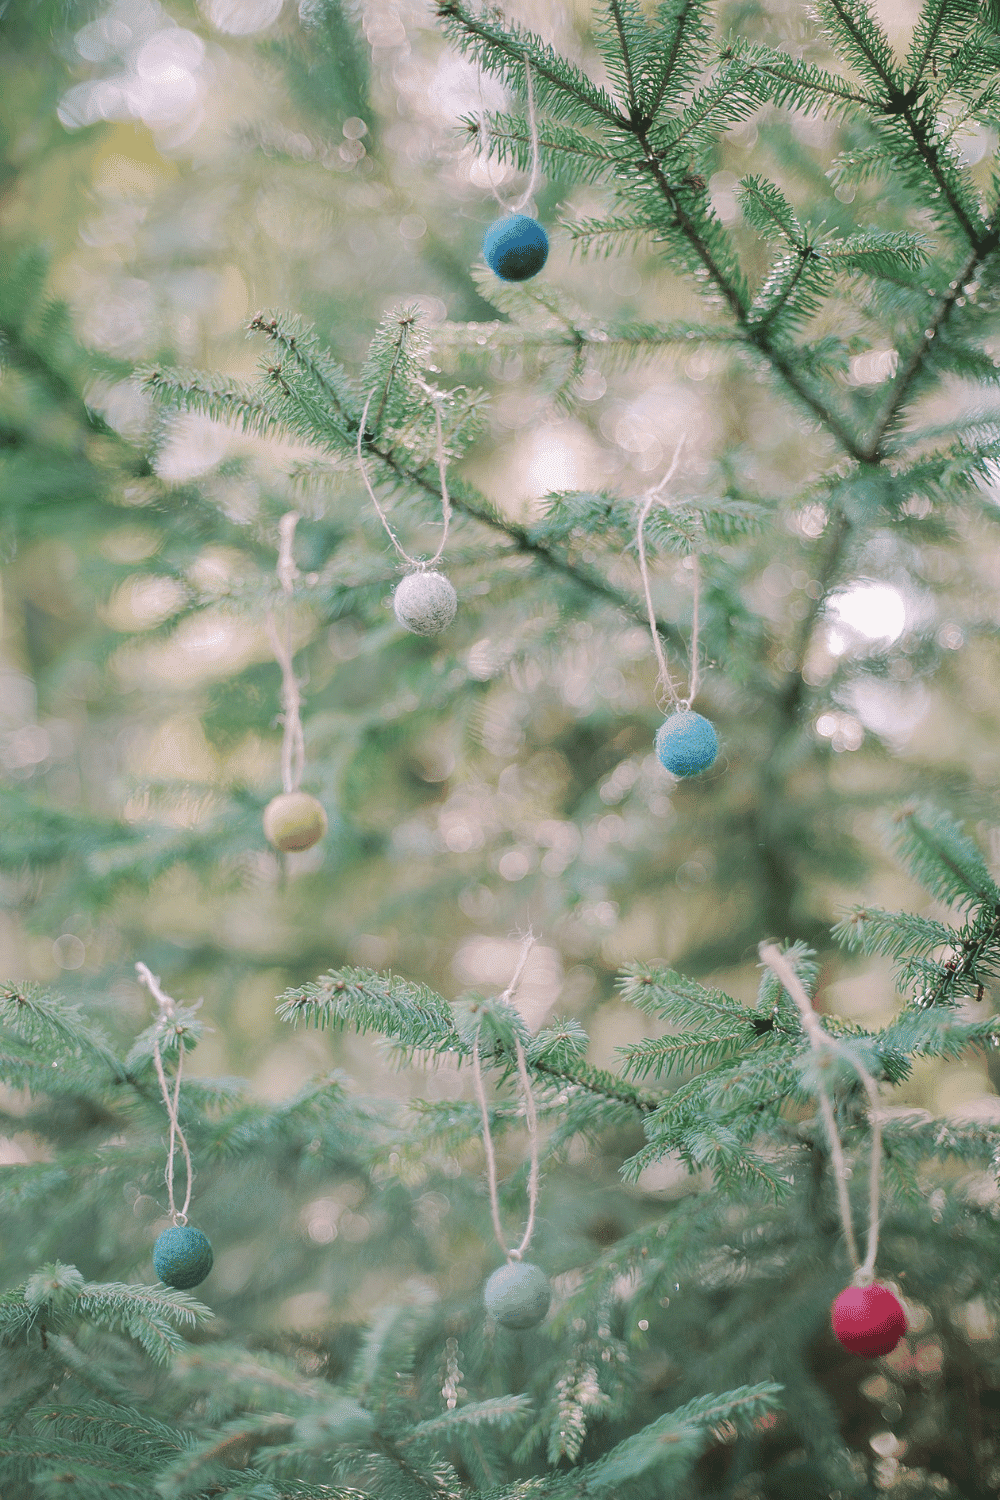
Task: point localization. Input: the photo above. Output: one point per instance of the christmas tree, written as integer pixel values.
(708, 1138)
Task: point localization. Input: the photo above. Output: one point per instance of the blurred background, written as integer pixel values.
(167, 171)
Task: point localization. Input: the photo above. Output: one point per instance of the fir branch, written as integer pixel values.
(674, 1440)
(564, 143)
(670, 61)
(614, 7)
(801, 84)
(864, 40)
(937, 16)
(38, 1017)
(511, 49)
(910, 372)
(943, 859)
(215, 396)
(497, 1411)
(300, 344)
(597, 1081)
(981, 239)
(412, 1016)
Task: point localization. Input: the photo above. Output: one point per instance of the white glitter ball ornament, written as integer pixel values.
(425, 603)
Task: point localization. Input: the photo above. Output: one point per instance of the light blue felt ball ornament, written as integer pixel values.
(515, 248)
(182, 1257)
(518, 1294)
(686, 744)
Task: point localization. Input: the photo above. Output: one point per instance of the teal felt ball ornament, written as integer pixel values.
(182, 1257)
(686, 744)
(518, 1294)
(515, 248)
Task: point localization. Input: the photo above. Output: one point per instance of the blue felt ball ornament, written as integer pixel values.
(518, 1294)
(686, 744)
(515, 248)
(182, 1256)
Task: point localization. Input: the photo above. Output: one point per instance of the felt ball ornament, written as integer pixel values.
(686, 744)
(868, 1320)
(182, 1257)
(425, 603)
(515, 248)
(518, 1294)
(294, 821)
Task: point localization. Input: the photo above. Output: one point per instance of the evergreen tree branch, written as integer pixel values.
(758, 335)
(977, 238)
(38, 363)
(430, 1484)
(669, 63)
(906, 377)
(873, 50)
(399, 345)
(935, 23)
(633, 103)
(804, 256)
(796, 78)
(291, 343)
(517, 49)
(599, 1082)
(501, 137)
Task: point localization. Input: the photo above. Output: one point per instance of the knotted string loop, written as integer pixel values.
(293, 745)
(824, 1045)
(171, 1099)
(665, 685)
(531, 1119)
(526, 197)
(436, 398)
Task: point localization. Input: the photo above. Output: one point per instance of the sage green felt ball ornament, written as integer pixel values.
(518, 1294)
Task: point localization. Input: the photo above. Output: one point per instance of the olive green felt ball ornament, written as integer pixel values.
(294, 821)
(182, 1257)
(518, 1294)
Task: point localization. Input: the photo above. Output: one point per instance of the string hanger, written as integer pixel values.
(437, 399)
(526, 197)
(167, 1018)
(512, 1253)
(823, 1046)
(293, 747)
(666, 688)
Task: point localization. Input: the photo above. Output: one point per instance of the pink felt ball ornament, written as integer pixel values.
(868, 1320)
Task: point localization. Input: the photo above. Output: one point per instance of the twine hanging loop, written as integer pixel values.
(512, 1253)
(525, 200)
(666, 687)
(824, 1046)
(171, 1098)
(293, 747)
(436, 399)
